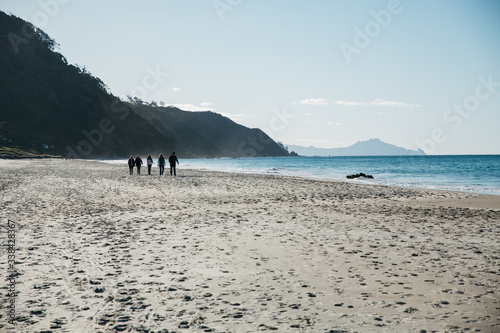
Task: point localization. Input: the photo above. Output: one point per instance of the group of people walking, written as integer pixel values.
(137, 162)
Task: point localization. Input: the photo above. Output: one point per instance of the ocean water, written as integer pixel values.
(468, 173)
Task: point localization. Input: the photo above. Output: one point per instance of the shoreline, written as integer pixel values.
(321, 178)
(494, 199)
(99, 250)
(327, 179)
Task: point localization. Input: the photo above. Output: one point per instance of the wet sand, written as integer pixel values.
(100, 250)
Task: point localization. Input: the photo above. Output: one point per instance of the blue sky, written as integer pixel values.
(323, 73)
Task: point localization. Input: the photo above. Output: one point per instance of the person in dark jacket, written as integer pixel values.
(138, 163)
(131, 164)
(149, 162)
(161, 163)
(172, 159)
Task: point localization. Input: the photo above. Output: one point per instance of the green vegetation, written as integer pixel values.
(16, 152)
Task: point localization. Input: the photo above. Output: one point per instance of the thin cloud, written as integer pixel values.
(376, 102)
(192, 107)
(332, 123)
(349, 103)
(175, 89)
(207, 104)
(382, 102)
(236, 116)
(314, 101)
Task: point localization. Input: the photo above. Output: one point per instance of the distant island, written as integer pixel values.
(49, 108)
(372, 147)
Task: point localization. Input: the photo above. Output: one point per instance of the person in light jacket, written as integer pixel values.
(149, 162)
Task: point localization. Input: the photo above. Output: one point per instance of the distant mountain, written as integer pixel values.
(49, 107)
(370, 147)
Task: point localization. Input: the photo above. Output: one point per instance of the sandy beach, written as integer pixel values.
(98, 250)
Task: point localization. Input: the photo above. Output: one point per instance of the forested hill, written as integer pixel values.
(209, 134)
(48, 106)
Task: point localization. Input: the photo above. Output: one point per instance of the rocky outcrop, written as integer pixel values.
(359, 175)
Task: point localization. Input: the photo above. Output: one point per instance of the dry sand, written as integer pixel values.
(99, 250)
